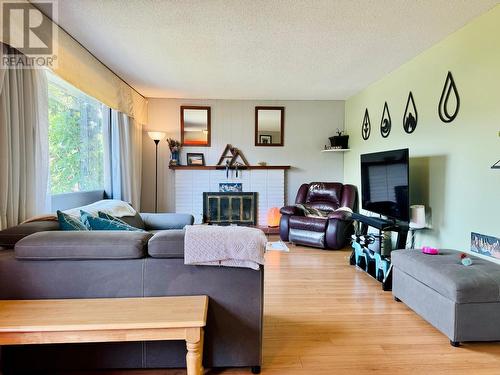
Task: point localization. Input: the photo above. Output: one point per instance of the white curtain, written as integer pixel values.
(124, 159)
(23, 144)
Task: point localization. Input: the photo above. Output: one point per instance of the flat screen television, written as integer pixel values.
(385, 183)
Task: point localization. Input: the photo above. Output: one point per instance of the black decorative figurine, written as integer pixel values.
(367, 127)
(410, 118)
(449, 87)
(385, 122)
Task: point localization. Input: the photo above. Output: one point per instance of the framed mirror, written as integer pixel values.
(269, 126)
(195, 126)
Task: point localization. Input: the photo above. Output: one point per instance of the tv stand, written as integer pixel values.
(383, 225)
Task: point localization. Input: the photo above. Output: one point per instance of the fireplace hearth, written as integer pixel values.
(226, 208)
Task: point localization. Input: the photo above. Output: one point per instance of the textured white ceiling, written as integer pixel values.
(260, 49)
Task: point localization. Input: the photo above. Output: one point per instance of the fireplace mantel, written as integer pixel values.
(215, 167)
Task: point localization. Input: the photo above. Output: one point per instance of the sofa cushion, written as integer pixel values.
(444, 273)
(9, 236)
(163, 221)
(167, 244)
(83, 245)
(308, 223)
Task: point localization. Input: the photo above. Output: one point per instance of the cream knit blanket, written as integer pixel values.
(228, 246)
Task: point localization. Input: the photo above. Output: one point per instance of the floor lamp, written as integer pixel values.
(156, 137)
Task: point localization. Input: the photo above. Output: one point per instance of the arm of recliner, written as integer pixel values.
(339, 230)
(291, 210)
(340, 215)
(166, 221)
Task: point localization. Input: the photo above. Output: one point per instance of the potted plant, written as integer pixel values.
(339, 140)
(175, 148)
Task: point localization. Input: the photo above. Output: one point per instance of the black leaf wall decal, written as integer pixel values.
(366, 128)
(450, 88)
(410, 118)
(385, 122)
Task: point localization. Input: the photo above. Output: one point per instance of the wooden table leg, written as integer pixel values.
(194, 357)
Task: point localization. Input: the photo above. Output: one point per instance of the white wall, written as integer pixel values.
(308, 124)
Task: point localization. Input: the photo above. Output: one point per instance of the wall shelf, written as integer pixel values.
(336, 150)
(221, 167)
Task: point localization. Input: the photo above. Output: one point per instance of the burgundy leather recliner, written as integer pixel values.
(332, 232)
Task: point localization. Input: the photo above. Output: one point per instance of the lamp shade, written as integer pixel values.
(156, 136)
(273, 217)
(417, 219)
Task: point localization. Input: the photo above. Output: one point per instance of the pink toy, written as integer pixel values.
(430, 250)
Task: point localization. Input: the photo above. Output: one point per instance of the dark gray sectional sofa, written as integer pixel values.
(54, 264)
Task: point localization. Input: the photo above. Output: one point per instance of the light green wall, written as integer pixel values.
(450, 163)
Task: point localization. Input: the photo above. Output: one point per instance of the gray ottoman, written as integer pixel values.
(462, 302)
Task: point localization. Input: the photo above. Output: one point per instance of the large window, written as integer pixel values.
(75, 139)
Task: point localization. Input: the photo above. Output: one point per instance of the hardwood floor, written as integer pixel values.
(323, 316)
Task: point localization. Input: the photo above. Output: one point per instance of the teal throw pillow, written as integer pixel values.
(98, 223)
(84, 215)
(68, 222)
(104, 215)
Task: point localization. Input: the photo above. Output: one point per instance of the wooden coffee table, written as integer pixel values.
(107, 320)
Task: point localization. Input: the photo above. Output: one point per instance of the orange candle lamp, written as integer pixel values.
(273, 217)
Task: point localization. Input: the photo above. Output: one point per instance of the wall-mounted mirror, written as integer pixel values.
(195, 126)
(269, 126)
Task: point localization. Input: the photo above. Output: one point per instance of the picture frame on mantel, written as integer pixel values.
(195, 159)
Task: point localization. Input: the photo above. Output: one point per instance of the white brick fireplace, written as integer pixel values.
(190, 184)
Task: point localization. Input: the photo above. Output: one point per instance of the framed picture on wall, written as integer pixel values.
(195, 158)
(265, 139)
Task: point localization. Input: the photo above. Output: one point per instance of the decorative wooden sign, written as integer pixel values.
(410, 118)
(385, 122)
(231, 155)
(449, 87)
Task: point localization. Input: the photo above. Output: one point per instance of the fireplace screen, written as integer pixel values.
(230, 208)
